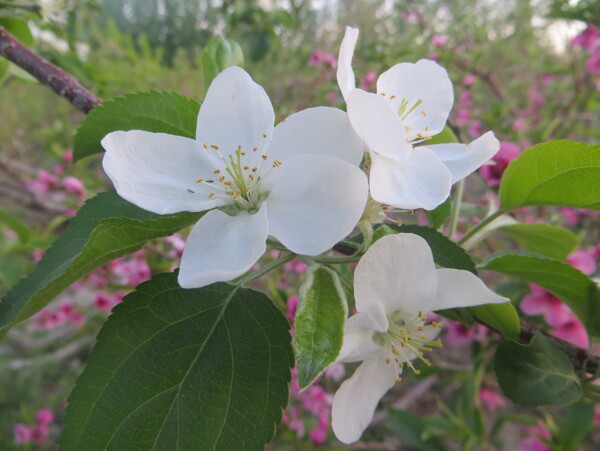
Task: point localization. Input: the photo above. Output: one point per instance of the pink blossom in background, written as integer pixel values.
(68, 156)
(292, 304)
(433, 56)
(542, 302)
(74, 185)
(570, 215)
(520, 124)
(58, 169)
(335, 372)
(459, 334)
(468, 80)
(546, 78)
(330, 59)
(102, 302)
(491, 399)
(573, 332)
(318, 435)
(534, 442)
(592, 65)
(368, 82)
(587, 39)
(492, 174)
(475, 129)
(131, 270)
(332, 97)
(317, 401)
(22, 434)
(411, 16)
(296, 266)
(439, 40)
(583, 260)
(44, 416)
(40, 433)
(315, 58)
(298, 426)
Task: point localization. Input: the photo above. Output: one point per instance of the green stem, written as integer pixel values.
(343, 279)
(481, 225)
(458, 194)
(337, 260)
(266, 269)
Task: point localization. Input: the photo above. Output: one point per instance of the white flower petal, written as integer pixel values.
(345, 74)
(355, 401)
(377, 125)
(314, 202)
(158, 172)
(458, 288)
(317, 131)
(396, 273)
(236, 112)
(425, 81)
(358, 335)
(422, 181)
(222, 247)
(463, 159)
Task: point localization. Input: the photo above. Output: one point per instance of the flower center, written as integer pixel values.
(238, 179)
(408, 338)
(404, 111)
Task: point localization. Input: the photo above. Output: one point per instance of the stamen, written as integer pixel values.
(264, 157)
(214, 146)
(277, 164)
(217, 171)
(211, 195)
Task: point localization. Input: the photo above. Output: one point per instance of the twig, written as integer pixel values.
(62, 83)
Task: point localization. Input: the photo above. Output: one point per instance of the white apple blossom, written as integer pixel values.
(298, 182)
(395, 284)
(412, 104)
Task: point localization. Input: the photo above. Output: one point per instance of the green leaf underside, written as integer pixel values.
(537, 374)
(105, 228)
(319, 323)
(502, 317)
(549, 240)
(573, 287)
(174, 369)
(446, 253)
(560, 173)
(153, 111)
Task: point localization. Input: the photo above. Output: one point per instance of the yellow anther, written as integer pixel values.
(243, 154)
(398, 379)
(264, 135)
(228, 184)
(395, 351)
(424, 113)
(254, 169)
(217, 171)
(254, 149)
(246, 168)
(248, 189)
(388, 360)
(199, 180)
(214, 146)
(383, 94)
(251, 177)
(427, 128)
(211, 195)
(392, 97)
(205, 145)
(222, 178)
(276, 163)
(264, 157)
(417, 371)
(424, 337)
(411, 212)
(385, 207)
(399, 222)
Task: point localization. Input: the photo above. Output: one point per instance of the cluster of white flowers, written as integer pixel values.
(301, 183)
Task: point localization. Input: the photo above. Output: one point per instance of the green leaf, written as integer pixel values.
(319, 323)
(560, 173)
(446, 253)
(153, 111)
(502, 317)
(446, 136)
(411, 430)
(573, 287)
(105, 228)
(18, 28)
(174, 369)
(549, 240)
(15, 224)
(537, 374)
(574, 427)
(438, 216)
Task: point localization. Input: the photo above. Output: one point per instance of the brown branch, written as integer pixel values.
(62, 83)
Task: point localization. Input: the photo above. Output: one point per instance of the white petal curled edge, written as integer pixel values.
(321, 131)
(425, 81)
(236, 112)
(314, 202)
(458, 288)
(358, 336)
(355, 401)
(422, 181)
(377, 125)
(397, 273)
(345, 74)
(222, 247)
(463, 159)
(158, 172)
